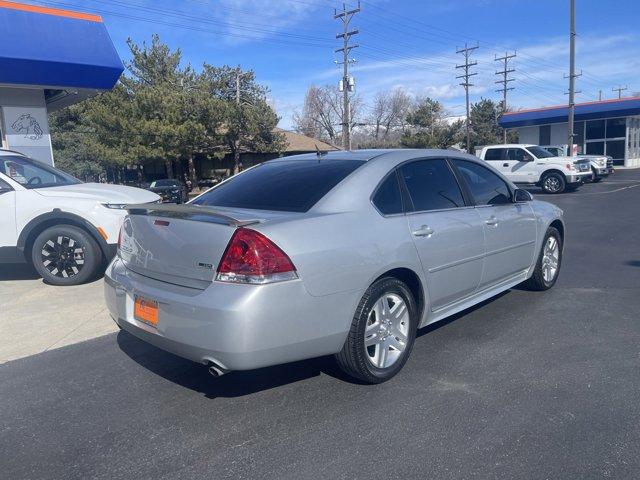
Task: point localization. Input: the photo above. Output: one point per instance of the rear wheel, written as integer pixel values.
(549, 262)
(65, 255)
(382, 332)
(553, 182)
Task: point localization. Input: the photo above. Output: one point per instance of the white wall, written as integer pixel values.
(25, 124)
(529, 135)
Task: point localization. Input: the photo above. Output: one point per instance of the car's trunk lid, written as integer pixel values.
(180, 244)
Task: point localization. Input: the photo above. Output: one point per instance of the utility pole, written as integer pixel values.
(620, 90)
(600, 95)
(572, 72)
(237, 143)
(466, 51)
(347, 84)
(505, 83)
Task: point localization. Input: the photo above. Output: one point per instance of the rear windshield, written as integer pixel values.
(288, 186)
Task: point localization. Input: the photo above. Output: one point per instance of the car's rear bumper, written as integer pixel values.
(238, 327)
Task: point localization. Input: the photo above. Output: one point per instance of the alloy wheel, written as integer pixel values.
(63, 256)
(387, 330)
(552, 184)
(550, 259)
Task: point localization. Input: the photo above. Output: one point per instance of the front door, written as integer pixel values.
(509, 228)
(8, 234)
(447, 233)
(521, 166)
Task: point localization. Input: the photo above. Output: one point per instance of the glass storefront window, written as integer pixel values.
(595, 148)
(595, 129)
(616, 127)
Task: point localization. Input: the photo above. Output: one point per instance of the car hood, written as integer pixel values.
(572, 159)
(101, 192)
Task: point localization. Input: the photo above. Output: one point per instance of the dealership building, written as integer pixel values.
(608, 127)
(49, 59)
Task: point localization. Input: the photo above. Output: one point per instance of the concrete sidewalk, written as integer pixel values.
(36, 317)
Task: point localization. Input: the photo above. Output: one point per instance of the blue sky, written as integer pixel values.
(408, 44)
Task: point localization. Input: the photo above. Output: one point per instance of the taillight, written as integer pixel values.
(252, 258)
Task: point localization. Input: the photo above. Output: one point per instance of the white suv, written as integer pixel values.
(531, 164)
(67, 229)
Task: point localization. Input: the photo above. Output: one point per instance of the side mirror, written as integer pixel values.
(4, 190)
(521, 196)
(527, 158)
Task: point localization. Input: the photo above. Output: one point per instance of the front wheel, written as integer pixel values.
(553, 183)
(65, 255)
(382, 332)
(549, 262)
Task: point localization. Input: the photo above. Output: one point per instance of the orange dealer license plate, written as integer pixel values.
(146, 311)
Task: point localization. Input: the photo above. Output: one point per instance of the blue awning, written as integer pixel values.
(55, 49)
(623, 107)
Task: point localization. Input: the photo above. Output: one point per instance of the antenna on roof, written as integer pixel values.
(319, 152)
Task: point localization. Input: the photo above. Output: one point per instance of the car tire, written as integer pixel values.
(66, 255)
(379, 342)
(540, 279)
(553, 183)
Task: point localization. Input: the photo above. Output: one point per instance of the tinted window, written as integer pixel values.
(431, 185)
(486, 187)
(4, 186)
(595, 129)
(516, 154)
(616, 127)
(494, 154)
(539, 152)
(387, 198)
(33, 174)
(164, 183)
(544, 134)
(289, 186)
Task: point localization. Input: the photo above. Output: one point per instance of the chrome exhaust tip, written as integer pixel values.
(216, 370)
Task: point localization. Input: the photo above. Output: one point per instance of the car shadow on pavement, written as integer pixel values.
(196, 377)
(18, 271)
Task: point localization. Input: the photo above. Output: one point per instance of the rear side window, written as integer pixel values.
(486, 187)
(388, 198)
(431, 185)
(493, 154)
(288, 186)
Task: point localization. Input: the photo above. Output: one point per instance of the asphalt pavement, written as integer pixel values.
(526, 385)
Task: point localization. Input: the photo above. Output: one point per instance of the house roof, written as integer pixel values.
(54, 48)
(297, 142)
(622, 107)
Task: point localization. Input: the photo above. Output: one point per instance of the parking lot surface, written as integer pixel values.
(527, 385)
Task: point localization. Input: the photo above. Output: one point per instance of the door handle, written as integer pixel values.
(423, 231)
(492, 222)
(505, 164)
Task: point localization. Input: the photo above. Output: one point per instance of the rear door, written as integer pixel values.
(509, 228)
(447, 233)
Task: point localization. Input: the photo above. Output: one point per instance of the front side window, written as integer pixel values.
(516, 154)
(4, 187)
(539, 152)
(494, 154)
(431, 185)
(486, 187)
(33, 174)
(388, 199)
(283, 185)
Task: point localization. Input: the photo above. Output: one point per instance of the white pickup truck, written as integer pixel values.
(533, 165)
(601, 165)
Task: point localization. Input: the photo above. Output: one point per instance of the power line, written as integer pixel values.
(347, 84)
(466, 51)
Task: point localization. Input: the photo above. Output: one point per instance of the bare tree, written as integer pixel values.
(321, 115)
(388, 116)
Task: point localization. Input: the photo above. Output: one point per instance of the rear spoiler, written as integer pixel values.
(189, 212)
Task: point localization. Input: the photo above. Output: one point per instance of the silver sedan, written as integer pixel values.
(343, 254)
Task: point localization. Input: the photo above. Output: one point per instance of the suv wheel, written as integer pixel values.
(65, 255)
(382, 332)
(553, 182)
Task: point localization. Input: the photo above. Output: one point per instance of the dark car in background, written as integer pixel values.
(170, 190)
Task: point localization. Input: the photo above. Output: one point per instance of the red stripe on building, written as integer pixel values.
(51, 11)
